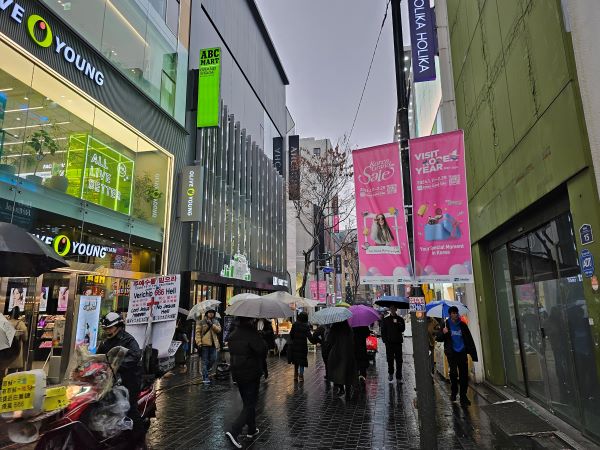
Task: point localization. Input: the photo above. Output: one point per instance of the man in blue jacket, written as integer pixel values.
(458, 343)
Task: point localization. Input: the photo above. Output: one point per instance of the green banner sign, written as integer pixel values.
(99, 174)
(209, 85)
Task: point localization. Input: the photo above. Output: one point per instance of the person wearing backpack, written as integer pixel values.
(207, 340)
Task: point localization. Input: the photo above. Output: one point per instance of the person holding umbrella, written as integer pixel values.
(458, 343)
(207, 340)
(341, 362)
(392, 328)
(298, 351)
(362, 317)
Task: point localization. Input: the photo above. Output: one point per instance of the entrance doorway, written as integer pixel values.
(543, 318)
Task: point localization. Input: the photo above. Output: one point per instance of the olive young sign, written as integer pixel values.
(209, 84)
(190, 194)
(40, 32)
(65, 247)
(99, 174)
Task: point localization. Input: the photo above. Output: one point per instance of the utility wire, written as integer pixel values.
(368, 74)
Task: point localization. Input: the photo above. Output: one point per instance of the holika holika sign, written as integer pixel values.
(99, 174)
(209, 85)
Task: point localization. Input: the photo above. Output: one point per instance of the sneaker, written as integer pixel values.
(253, 435)
(233, 440)
(390, 377)
(452, 397)
(464, 401)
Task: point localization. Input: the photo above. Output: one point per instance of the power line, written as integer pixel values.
(368, 74)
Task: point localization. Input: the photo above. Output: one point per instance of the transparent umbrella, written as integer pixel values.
(199, 309)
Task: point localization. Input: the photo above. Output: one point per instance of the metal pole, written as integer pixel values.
(423, 378)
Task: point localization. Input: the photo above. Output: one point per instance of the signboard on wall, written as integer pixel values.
(99, 174)
(209, 86)
(88, 319)
(279, 156)
(190, 194)
(294, 169)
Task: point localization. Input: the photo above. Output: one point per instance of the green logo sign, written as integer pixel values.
(209, 84)
(34, 21)
(99, 174)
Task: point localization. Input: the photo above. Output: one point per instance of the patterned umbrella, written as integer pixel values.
(332, 314)
(199, 309)
(440, 308)
(362, 316)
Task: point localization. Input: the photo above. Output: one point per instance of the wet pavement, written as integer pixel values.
(292, 415)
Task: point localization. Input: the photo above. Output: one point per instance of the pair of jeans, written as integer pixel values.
(393, 352)
(249, 394)
(208, 356)
(459, 373)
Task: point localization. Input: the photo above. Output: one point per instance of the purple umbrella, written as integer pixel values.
(362, 316)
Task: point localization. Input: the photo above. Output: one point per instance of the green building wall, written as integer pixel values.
(518, 102)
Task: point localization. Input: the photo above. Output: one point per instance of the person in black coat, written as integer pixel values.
(248, 353)
(360, 350)
(458, 343)
(298, 350)
(341, 362)
(392, 328)
(321, 334)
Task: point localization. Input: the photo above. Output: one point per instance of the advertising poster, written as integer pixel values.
(58, 334)
(318, 290)
(44, 298)
(383, 250)
(63, 298)
(88, 320)
(441, 211)
(17, 298)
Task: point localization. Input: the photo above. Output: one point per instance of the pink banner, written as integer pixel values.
(318, 291)
(382, 238)
(441, 212)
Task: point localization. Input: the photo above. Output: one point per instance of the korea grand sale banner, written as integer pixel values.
(442, 242)
(383, 249)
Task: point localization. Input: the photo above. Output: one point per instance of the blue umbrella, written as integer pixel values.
(440, 308)
(393, 300)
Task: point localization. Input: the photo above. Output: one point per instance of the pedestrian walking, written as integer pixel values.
(21, 335)
(248, 353)
(321, 334)
(433, 327)
(392, 328)
(458, 343)
(298, 349)
(342, 366)
(182, 350)
(207, 340)
(265, 328)
(360, 351)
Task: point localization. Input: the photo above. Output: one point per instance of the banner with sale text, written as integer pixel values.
(383, 251)
(442, 243)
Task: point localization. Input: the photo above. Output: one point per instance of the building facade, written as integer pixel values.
(533, 201)
(87, 158)
(242, 204)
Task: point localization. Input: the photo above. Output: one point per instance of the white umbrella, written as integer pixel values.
(7, 333)
(242, 296)
(332, 314)
(288, 299)
(260, 308)
(200, 308)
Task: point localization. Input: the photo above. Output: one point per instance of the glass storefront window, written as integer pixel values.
(141, 39)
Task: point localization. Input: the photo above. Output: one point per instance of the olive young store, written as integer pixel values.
(81, 169)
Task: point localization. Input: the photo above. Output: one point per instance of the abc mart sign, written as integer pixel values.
(35, 23)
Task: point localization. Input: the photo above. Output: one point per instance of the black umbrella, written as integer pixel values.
(24, 255)
(393, 300)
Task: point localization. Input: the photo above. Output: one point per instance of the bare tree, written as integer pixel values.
(324, 177)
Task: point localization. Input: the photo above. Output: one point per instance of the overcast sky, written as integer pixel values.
(326, 47)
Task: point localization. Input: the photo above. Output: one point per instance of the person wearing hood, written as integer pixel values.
(298, 351)
(207, 340)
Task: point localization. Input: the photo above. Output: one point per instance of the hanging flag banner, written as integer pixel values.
(422, 39)
(442, 243)
(383, 250)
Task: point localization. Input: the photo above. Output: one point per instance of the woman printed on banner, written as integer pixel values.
(381, 232)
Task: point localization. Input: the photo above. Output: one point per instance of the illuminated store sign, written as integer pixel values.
(99, 174)
(209, 84)
(63, 246)
(40, 32)
(191, 184)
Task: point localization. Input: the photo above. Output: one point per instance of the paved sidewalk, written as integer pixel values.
(307, 415)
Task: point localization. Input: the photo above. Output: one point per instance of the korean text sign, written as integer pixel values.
(160, 293)
(383, 250)
(441, 212)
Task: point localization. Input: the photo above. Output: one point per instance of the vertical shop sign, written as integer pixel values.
(279, 155)
(441, 212)
(88, 319)
(423, 40)
(190, 192)
(383, 249)
(294, 169)
(209, 86)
